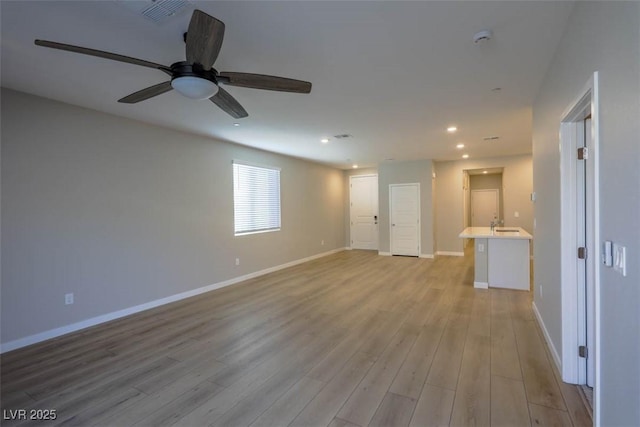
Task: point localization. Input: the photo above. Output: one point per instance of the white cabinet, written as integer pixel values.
(505, 260)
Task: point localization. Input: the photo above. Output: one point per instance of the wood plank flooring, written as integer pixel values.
(351, 339)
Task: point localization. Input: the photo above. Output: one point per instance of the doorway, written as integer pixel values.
(404, 207)
(580, 238)
(363, 208)
(485, 205)
(474, 180)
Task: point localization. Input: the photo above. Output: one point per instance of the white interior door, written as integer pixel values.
(484, 207)
(404, 206)
(364, 211)
(584, 233)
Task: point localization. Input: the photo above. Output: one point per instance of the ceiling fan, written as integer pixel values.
(196, 78)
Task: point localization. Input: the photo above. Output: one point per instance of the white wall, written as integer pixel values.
(517, 182)
(603, 37)
(121, 213)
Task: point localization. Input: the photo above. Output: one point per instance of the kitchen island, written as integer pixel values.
(501, 257)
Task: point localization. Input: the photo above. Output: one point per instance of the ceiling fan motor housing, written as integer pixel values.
(183, 69)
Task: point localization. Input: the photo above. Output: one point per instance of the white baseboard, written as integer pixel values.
(449, 253)
(429, 256)
(63, 330)
(547, 338)
(384, 253)
(481, 285)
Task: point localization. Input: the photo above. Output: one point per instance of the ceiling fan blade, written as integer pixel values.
(261, 81)
(228, 104)
(102, 54)
(204, 39)
(147, 93)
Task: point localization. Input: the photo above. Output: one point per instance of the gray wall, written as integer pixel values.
(402, 173)
(121, 213)
(517, 182)
(603, 37)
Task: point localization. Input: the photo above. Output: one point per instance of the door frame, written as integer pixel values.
(419, 231)
(485, 190)
(350, 203)
(573, 314)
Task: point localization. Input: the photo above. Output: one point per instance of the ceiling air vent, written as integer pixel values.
(491, 138)
(343, 136)
(157, 11)
(164, 9)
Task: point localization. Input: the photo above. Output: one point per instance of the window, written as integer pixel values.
(256, 198)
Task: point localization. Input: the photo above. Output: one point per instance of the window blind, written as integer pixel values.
(256, 198)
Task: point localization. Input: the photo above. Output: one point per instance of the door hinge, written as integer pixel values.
(583, 352)
(583, 153)
(582, 253)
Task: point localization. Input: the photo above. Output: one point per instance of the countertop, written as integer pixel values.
(487, 233)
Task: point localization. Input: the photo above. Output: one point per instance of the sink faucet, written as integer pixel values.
(496, 222)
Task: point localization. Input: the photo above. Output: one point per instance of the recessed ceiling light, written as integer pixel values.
(236, 124)
(355, 166)
(485, 172)
(459, 146)
(324, 140)
(452, 129)
(465, 156)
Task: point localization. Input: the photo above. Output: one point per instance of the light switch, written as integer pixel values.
(480, 247)
(607, 253)
(516, 214)
(620, 259)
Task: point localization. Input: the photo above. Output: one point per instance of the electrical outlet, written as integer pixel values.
(68, 299)
(237, 261)
(480, 247)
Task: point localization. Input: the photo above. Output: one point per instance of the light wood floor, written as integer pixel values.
(352, 339)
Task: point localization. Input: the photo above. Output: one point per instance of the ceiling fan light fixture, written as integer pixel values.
(194, 87)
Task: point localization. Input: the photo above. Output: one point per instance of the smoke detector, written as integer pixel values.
(482, 36)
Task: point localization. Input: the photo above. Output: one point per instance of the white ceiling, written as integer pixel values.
(392, 74)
